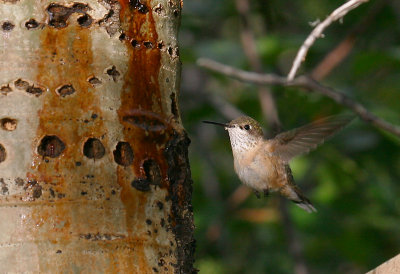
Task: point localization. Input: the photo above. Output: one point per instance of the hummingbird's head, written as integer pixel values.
(244, 132)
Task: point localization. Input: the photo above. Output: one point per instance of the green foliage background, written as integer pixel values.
(353, 180)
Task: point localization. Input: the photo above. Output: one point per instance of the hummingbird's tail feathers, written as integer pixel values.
(294, 194)
(306, 205)
(302, 201)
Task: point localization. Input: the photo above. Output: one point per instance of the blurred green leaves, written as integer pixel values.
(353, 179)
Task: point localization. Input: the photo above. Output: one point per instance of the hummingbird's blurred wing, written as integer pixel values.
(301, 140)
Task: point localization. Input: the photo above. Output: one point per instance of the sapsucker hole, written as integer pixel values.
(143, 9)
(160, 205)
(31, 24)
(59, 15)
(5, 89)
(152, 171)
(136, 4)
(51, 146)
(21, 84)
(85, 20)
(113, 72)
(123, 154)
(65, 90)
(93, 149)
(8, 124)
(37, 91)
(7, 26)
(170, 51)
(94, 81)
(135, 43)
(148, 44)
(122, 37)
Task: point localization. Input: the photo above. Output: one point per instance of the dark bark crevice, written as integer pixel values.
(180, 191)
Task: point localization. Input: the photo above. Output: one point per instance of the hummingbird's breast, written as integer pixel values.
(258, 169)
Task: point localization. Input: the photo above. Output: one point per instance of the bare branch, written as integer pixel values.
(242, 75)
(317, 33)
(305, 83)
(343, 49)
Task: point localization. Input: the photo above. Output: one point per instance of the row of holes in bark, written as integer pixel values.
(142, 121)
(31, 24)
(174, 52)
(52, 146)
(83, 21)
(63, 91)
(59, 14)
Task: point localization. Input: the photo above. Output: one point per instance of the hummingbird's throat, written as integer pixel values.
(241, 141)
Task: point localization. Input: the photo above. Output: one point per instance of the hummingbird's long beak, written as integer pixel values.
(218, 124)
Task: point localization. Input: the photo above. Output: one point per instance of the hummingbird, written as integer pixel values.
(263, 164)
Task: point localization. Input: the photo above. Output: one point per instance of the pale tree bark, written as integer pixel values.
(94, 174)
(391, 266)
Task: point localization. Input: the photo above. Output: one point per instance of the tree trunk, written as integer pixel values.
(94, 173)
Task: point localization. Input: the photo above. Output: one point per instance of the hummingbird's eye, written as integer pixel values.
(247, 127)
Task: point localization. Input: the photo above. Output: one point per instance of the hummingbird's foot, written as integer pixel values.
(257, 194)
(266, 192)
